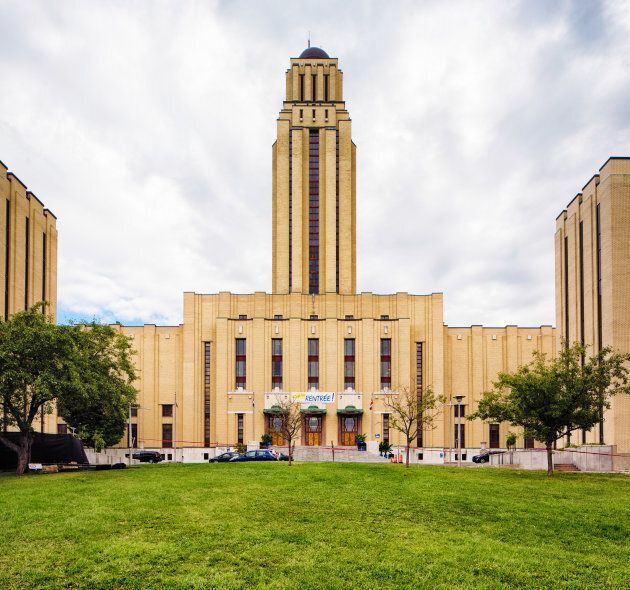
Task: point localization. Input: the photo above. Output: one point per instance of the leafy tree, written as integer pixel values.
(549, 398)
(42, 363)
(290, 422)
(411, 412)
(97, 407)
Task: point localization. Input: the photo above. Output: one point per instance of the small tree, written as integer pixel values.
(411, 412)
(549, 398)
(290, 425)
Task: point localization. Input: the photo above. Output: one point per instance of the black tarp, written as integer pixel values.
(47, 449)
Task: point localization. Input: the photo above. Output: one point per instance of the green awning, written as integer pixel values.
(349, 410)
(272, 410)
(313, 410)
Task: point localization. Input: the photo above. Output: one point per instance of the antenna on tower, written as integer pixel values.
(309, 38)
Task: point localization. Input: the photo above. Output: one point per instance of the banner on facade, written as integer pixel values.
(314, 397)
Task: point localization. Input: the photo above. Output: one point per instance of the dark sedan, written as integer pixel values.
(484, 456)
(263, 455)
(148, 456)
(224, 457)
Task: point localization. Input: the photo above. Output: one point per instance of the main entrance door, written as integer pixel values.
(274, 427)
(349, 430)
(313, 430)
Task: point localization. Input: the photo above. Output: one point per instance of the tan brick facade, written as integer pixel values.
(592, 245)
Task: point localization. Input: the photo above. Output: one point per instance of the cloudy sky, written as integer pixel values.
(147, 128)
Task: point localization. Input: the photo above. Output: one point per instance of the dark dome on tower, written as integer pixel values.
(314, 52)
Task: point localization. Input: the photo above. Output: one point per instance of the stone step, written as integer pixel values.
(565, 467)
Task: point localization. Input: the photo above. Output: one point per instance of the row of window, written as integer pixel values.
(349, 363)
(326, 87)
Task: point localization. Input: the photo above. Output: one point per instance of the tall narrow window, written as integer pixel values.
(7, 259)
(206, 393)
(134, 436)
(581, 263)
(313, 214)
(313, 363)
(386, 428)
(599, 278)
(566, 290)
(337, 211)
(240, 428)
(462, 435)
(167, 436)
(27, 247)
(44, 260)
(314, 88)
(291, 209)
(241, 363)
(326, 79)
(276, 363)
(386, 363)
(494, 436)
(419, 385)
(301, 87)
(348, 363)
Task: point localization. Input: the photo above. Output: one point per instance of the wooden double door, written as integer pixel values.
(348, 429)
(313, 430)
(274, 428)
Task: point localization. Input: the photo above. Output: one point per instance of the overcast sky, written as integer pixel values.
(146, 127)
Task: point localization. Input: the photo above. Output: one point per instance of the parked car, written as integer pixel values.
(484, 456)
(148, 456)
(223, 457)
(262, 455)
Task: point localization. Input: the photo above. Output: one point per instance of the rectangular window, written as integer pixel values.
(313, 363)
(386, 428)
(7, 259)
(206, 393)
(581, 263)
(459, 410)
(314, 89)
(27, 247)
(240, 428)
(566, 290)
(291, 207)
(62, 429)
(301, 87)
(494, 436)
(241, 363)
(44, 271)
(419, 390)
(167, 410)
(167, 436)
(134, 411)
(313, 213)
(326, 81)
(599, 278)
(348, 363)
(386, 363)
(337, 210)
(528, 442)
(134, 436)
(276, 363)
(462, 432)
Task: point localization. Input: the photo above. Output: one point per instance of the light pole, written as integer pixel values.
(458, 399)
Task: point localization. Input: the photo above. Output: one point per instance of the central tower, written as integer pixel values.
(314, 182)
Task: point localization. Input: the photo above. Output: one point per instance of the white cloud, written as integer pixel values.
(147, 128)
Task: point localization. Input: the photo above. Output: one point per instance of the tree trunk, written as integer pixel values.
(290, 452)
(549, 458)
(22, 450)
(407, 462)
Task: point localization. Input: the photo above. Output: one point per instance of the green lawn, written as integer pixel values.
(314, 526)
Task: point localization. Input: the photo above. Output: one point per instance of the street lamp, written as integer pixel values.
(458, 399)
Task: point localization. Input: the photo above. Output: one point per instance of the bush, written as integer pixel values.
(240, 447)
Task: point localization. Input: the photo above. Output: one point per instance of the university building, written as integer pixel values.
(218, 378)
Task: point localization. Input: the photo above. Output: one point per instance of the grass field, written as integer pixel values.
(314, 526)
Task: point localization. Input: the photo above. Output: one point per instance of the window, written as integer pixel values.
(386, 428)
(134, 436)
(301, 87)
(313, 363)
(240, 428)
(337, 210)
(276, 363)
(43, 271)
(291, 208)
(459, 410)
(7, 259)
(314, 89)
(167, 436)
(241, 363)
(313, 114)
(462, 431)
(242, 317)
(326, 114)
(349, 317)
(278, 316)
(301, 113)
(494, 436)
(326, 79)
(134, 411)
(384, 317)
(314, 317)
(62, 429)
(566, 290)
(27, 244)
(167, 410)
(206, 393)
(313, 213)
(598, 245)
(386, 363)
(348, 363)
(419, 382)
(528, 442)
(581, 263)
